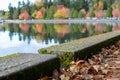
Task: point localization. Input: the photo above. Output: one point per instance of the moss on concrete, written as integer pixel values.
(11, 56)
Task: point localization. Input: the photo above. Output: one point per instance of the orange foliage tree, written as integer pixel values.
(40, 13)
(116, 8)
(116, 13)
(24, 15)
(62, 12)
(100, 13)
(100, 5)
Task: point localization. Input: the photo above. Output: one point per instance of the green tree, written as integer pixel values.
(19, 4)
(91, 14)
(81, 15)
(34, 14)
(49, 13)
(79, 4)
(109, 12)
(16, 14)
(7, 15)
(10, 11)
(73, 13)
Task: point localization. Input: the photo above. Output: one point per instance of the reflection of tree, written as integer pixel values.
(91, 29)
(108, 28)
(60, 33)
(24, 27)
(61, 29)
(40, 29)
(116, 27)
(99, 28)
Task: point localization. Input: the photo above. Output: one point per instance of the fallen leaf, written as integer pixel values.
(105, 72)
(72, 63)
(63, 77)
(96, 67)
(116, 53)
(113, 79)
(87, 77)
(98, 77)
(72, 68)
(91, 61)
(80, 62)
(117, 62)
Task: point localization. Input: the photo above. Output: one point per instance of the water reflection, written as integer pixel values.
(31, 37)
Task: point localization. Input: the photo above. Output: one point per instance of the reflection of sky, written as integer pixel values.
(8, 47)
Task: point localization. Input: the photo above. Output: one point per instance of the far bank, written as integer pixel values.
(69, 21)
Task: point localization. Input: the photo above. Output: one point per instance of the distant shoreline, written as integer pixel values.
(60, 21)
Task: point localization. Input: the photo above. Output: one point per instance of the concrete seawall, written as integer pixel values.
(62, 21)
(85, 47)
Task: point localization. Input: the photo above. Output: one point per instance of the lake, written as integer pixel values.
(28, 38)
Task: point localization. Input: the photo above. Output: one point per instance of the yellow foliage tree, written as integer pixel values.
(39, 3)
(95, 6)
(100, 5)
(62, 13)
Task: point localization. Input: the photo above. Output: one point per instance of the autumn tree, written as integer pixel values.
(40, 13)
(100, 13)
(98, 5)
(82, 13)
(116, 8)
(24, 15)
(39, 3)
(62, 12)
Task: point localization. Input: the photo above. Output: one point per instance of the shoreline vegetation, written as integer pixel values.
(65, 21)
(62, 9)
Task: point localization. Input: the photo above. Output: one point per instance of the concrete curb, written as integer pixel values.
(85, 47)
(28, 66)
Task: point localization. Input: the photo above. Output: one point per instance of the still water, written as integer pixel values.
(28, 38)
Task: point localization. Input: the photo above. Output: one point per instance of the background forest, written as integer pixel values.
(50, 9)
